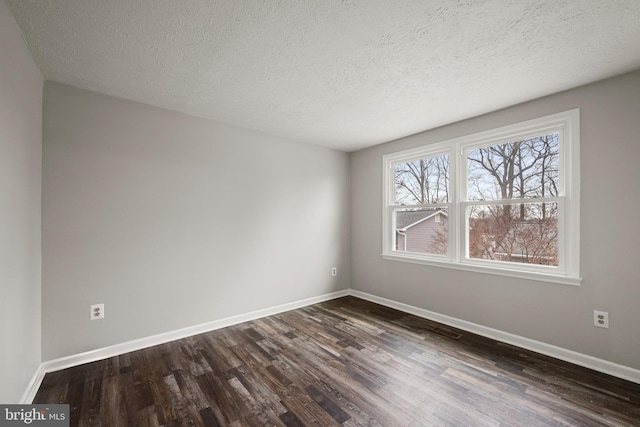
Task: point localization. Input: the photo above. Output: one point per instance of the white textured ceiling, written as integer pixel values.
(344, 74)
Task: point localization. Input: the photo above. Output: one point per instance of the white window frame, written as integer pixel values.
(567, 124)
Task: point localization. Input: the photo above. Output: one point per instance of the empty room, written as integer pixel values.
(294, 213)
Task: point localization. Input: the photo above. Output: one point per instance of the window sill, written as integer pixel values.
(541, 277)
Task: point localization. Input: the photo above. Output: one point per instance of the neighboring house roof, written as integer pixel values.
(407, 219)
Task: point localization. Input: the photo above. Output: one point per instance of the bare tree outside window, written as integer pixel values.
(418, 184)
(516, 231)
(422, 181)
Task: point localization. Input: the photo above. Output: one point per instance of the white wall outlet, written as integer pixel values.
(600, 319)
(334, 271)
(96, 311)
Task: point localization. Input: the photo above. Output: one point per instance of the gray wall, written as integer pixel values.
(171, 220)
(20, 168)
(560, 315)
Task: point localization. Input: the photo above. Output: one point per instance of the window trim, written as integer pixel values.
(568, 199)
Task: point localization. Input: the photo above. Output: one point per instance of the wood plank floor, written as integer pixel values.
(343, 362)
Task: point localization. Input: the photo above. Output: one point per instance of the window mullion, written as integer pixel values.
(456, 232)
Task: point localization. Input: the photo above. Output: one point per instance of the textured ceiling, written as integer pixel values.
(344, 74)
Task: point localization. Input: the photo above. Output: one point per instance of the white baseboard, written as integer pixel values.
(576, 358)
(34, 385)
(126, 347)
(600, 365)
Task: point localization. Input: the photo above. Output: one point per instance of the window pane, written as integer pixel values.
(422, 231)
(520, 169)
(422, 181)
(522, 233)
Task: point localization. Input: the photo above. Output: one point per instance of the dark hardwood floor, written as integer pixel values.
(343, 362)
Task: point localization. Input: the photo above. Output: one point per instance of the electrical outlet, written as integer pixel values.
(334, 271)
(96, 311)
(600, 319)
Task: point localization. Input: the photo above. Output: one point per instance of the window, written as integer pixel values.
(505, 201)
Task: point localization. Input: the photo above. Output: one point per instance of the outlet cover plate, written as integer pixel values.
(96, 311)
(601, 319)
